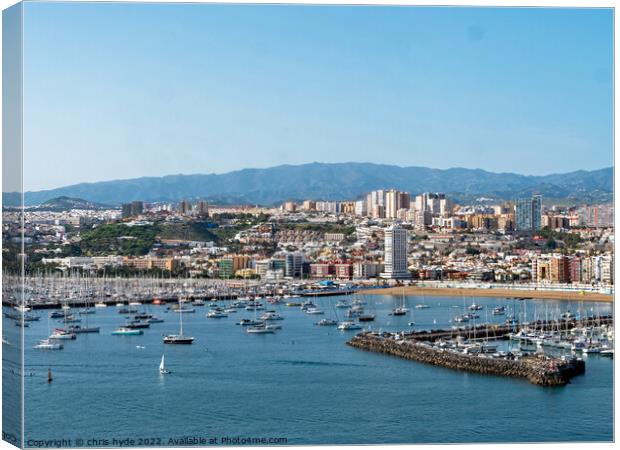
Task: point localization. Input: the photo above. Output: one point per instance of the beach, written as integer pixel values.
(510, 293)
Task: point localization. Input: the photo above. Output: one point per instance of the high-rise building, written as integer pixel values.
(185, 207)
(395, 260)
(528, 213)
(395, 200)
(126, 210)
(293, 263)
(202, 208)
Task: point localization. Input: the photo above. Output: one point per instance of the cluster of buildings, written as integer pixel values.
(385, 235)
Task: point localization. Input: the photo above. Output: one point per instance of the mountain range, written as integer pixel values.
(334, 181)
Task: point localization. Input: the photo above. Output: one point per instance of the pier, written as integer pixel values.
(538, 369)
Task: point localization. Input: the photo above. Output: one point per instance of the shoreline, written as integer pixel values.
(511, 293)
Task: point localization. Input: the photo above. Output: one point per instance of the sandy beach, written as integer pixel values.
(511, 293)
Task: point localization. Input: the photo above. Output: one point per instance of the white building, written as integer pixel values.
(395, 261)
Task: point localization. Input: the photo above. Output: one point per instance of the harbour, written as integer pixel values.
(302, 381)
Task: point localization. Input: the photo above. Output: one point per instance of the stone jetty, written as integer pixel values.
(538, 369)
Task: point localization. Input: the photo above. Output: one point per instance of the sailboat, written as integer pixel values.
(162, 367)
(402, 310)
(179, 338)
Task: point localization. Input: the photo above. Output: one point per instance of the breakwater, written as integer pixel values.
(538, 369)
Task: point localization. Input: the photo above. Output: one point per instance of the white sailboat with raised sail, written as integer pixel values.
(162, 366)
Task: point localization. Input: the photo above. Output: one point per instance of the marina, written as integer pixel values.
(227, 366)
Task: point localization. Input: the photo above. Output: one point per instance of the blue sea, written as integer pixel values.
(301, 385)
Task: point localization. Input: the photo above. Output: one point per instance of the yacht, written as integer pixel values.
(248, 322)
(400, 311)
(216, 314)
(327, 322)
(259, 329)
(343, 304)
(366, 318)
(348, 325)
(475, 307)
(314, 311)
(499, 311)
(78, 329)
(62, 335)
(46, 344)
(124, 331)
(271, 315)
(179, 339)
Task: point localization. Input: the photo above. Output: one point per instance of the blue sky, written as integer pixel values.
(117, 91)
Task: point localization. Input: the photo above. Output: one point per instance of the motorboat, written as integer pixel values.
(125, 331)
(248, 322)
(62, 335)
(216, 314)
(475, 307)
(499, 311)
(271, 315)
(349, 325)
(260, 329)
(366, 318)
(327, 322)
(422, 306)
(79, 330)
(46, 344)
(314, 311)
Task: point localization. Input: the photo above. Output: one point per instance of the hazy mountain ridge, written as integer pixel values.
(338, 181)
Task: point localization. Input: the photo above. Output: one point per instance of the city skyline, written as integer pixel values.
(185, 84)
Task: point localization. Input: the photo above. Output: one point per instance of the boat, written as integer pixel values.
(327, 322)
(314, 311)
(216, 314)
(78, 329)
(366, 318)
(86, 311)
(609, 352)
(293, 304)
(230, 310)
(260, 329)
(57, 315)
(162, 367)
(155, 320)
(184, 310)
(46, 344)
(124, 331)
(135, 304)
(248, 322)
(198, 302)
(343, 304)
(271, 315)
(100, 305)
(499, 311)
(62, 335)
(399, 311)
(179, 339)
(475, 307)
(136, 325)
(422, 306)
(349, 325)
